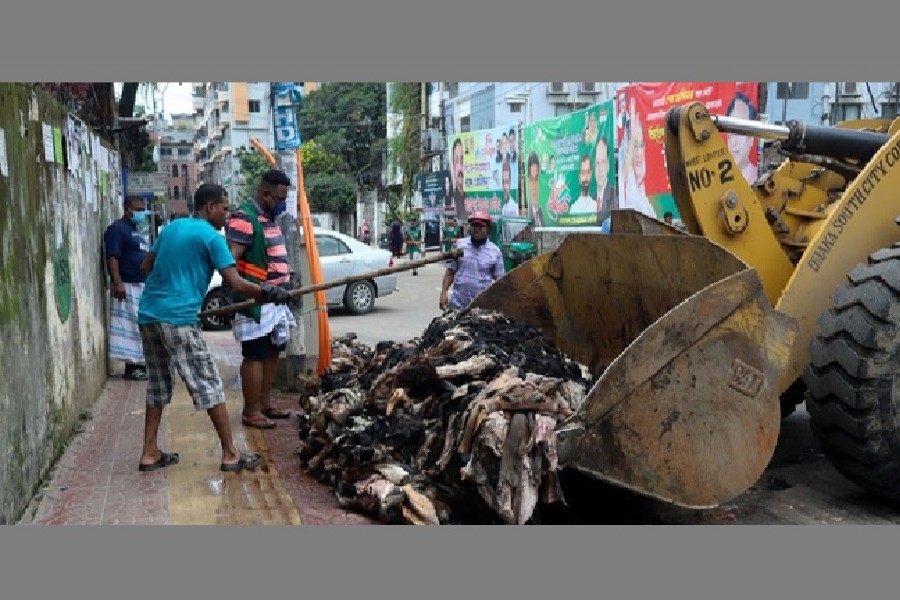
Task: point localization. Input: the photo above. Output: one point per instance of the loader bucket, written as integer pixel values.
(687, 351)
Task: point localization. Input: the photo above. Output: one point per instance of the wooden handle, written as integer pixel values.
(344, 280)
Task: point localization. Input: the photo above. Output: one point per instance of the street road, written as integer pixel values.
(400, 316)
(800, 486)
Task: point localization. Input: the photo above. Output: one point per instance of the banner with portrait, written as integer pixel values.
(484, 172)
(641, 109)
(570, 179)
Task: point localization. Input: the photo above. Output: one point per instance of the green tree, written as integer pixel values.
(348, 121)
(253, 165)
(404, 154)
(329, 186)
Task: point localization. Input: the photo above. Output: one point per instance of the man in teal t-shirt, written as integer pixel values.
(178, 268)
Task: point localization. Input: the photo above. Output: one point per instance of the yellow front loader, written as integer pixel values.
(821, 231)
(701, 342)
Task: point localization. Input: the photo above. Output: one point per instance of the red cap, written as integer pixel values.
(480, 216)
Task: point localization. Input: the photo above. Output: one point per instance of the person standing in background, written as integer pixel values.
(126, 248)
(414, 241)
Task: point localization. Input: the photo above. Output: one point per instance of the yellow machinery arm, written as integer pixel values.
(821, 230)
(803, 227)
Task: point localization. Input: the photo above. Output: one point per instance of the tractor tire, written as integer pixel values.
(853, 378)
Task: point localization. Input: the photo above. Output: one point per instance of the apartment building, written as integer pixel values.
(229, 114)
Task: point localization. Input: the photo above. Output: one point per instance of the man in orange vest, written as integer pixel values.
(257, 244)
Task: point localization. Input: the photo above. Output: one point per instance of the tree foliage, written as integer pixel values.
(253, 165)
(348, 121)
(330, 192)
(404, 152)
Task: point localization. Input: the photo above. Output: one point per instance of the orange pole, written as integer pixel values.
(312, 255)
(256, 144)
(315, 269)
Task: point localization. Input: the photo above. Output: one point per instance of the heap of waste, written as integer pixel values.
(457, 426)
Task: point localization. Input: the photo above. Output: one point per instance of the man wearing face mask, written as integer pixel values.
(126, 247)
(480, 265)
(257, 244)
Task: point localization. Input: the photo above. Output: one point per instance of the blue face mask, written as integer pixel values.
(139, 216)
(279, 208)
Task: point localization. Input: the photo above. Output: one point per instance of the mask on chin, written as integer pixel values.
(279, 209)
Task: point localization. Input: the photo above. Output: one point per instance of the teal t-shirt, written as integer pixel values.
(187, 252)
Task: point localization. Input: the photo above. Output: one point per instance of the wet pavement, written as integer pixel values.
(97, 481)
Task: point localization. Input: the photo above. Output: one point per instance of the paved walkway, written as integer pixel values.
(97, 481)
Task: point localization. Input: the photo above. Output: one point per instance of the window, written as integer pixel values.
(330, 246)
(165, 151)
(792, 89)
(225, 106)
(464, 124)
(253, 106)
(184, 152)
(589, 87)
(556, 87)
(515, 107)
(849, 89)
(175, 173)
(184, 171)
(177, 193)
(890, 110)
(847, 111)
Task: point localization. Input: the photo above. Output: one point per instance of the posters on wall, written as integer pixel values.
(484, 171)
(569, 176)
(49, 154)
(73, 137)
(4, 164)
(641, 110)
(436, 197)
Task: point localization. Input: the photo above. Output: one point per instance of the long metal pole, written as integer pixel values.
(309, 289)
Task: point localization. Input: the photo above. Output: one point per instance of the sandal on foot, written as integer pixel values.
(246, 461)
(165, 459)
(276, 413)
(258, 421)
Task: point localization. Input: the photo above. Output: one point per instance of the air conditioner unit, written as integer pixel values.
(556, 87)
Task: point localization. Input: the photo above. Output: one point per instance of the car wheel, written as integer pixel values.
(359, 297)
(217, 298)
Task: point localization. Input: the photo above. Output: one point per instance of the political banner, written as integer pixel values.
(570, 180)
(484, 172)
(435, 190)
(641, 109)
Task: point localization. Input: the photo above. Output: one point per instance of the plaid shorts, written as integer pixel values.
(182, 347)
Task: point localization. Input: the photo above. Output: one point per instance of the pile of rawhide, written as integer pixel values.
(457, 426)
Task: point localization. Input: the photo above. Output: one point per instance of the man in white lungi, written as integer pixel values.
(126, 247)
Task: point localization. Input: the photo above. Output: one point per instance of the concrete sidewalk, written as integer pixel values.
(97, 481)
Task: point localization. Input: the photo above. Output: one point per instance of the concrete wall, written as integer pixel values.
(53, 296)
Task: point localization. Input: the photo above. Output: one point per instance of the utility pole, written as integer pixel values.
(441, 128)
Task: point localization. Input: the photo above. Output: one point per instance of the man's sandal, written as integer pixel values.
(246, 461)
(257, 421)
(273, 412)
(165, 459)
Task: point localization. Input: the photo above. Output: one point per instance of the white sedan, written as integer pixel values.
(341, 256)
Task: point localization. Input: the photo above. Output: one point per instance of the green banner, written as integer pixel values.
(570, 178)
